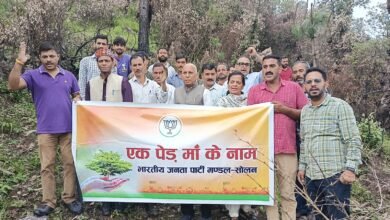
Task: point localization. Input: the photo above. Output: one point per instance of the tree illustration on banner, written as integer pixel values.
(108, 164)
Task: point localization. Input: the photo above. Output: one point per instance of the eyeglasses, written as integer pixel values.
(243, 64)
(316, 81)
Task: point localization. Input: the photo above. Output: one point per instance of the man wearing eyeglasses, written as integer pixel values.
(330, 148)
(251, 79)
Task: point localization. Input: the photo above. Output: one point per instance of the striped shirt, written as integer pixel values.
(330, 139)
(290, 95)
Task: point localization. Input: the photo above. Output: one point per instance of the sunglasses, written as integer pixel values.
(316, 81)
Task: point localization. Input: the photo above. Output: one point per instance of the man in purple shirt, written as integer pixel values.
(52, 89)
(123, 60)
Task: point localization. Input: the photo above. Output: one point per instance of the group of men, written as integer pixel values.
(330, 143)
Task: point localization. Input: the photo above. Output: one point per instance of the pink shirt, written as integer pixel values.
(291, 95)
(286, 74)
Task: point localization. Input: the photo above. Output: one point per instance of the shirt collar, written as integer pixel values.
(43, 70)
(264, 85)
(134, 79)
(214, 87)
(323, 103)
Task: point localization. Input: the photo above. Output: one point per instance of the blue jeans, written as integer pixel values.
(331, 196)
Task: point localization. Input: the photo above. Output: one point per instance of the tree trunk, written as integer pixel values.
(145, 17)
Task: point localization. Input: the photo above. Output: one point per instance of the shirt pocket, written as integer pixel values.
(115, 92)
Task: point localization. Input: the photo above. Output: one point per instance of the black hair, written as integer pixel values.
(162, 48)
(236, 73)
(160, 65)
(272, 56)
(139, 54)
(224, 64)
(181, 56)
(119, 41)
(316, 69)
(307, 65)
(101, 36)
(46, 46)
(208, 66)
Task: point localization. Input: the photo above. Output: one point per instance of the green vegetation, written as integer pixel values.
(371, 133)
(108, 164)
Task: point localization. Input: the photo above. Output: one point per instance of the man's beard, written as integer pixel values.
(222, 77)
(318, 96)
(119, 52)
(163, 59)
(284, 66)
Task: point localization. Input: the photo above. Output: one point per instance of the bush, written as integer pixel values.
(371, 132)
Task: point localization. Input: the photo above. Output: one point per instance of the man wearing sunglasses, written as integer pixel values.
(330, 148)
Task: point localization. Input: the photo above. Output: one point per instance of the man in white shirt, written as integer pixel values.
(145, 90)
(209, 76)
(160, 74)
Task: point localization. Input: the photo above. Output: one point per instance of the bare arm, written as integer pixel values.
(15, 82)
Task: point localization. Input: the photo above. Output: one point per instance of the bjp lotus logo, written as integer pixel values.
(170, 125)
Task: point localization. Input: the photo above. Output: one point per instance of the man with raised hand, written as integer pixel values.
(53, 90)
(160, 74)
(251, 78)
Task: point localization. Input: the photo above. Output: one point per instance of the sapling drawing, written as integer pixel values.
(108, 164)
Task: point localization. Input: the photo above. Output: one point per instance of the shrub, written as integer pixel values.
(371, 132)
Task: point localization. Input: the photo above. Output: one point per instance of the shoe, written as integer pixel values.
(106, 208)
(186, 217)
(43, 210)
(120, 206)
(76, 207)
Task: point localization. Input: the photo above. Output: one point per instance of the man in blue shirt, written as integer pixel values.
(251, 79)
(123, 60)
